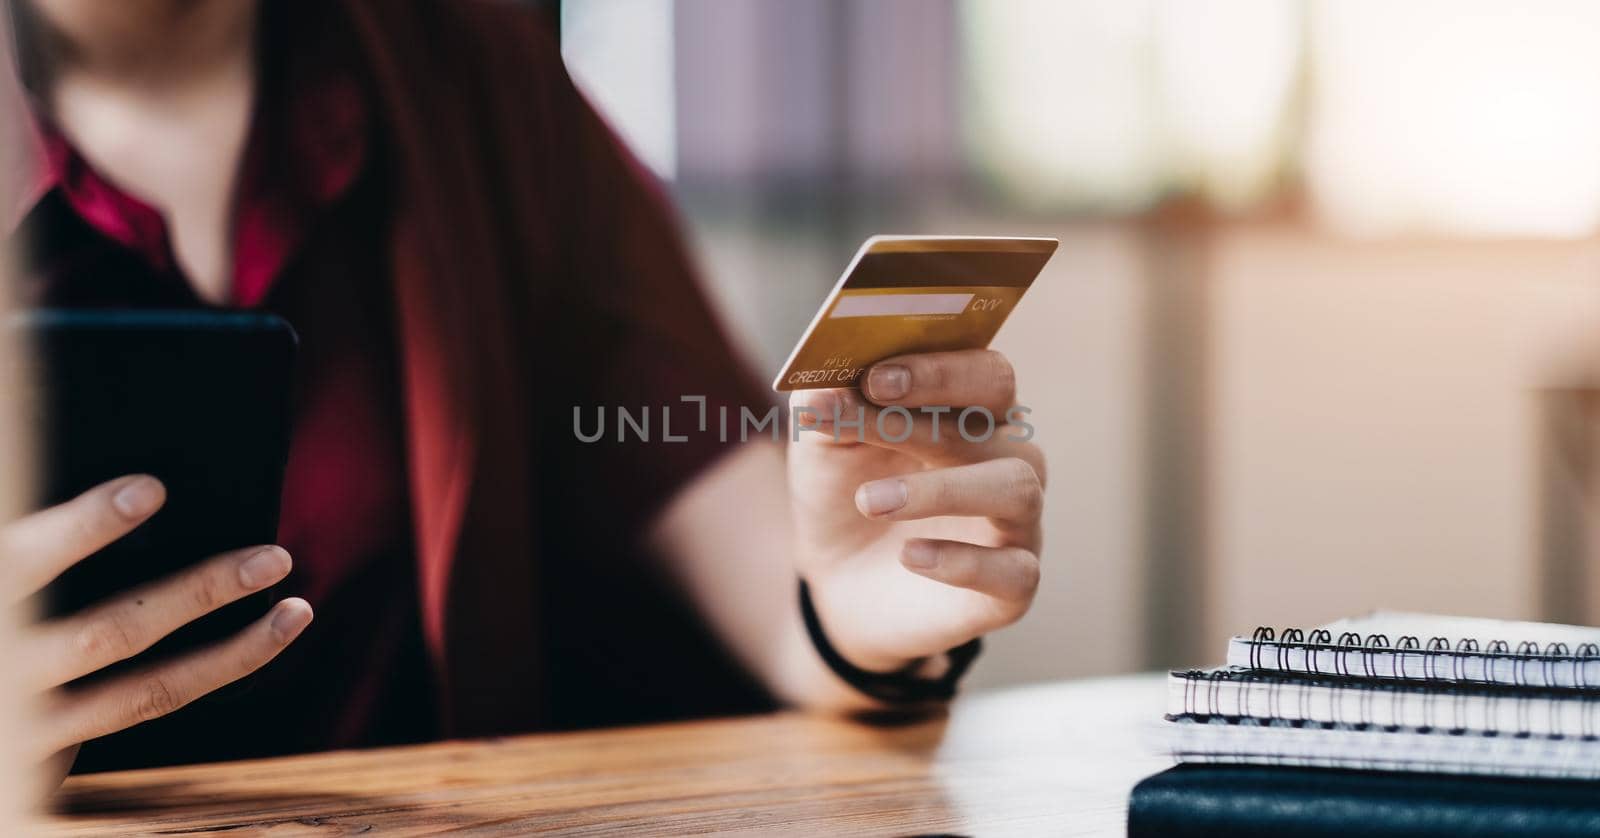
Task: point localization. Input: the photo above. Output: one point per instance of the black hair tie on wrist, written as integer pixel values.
(898, 687)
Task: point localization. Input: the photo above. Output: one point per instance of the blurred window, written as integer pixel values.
(620, 52)
(1465, 117)
(1472, 117)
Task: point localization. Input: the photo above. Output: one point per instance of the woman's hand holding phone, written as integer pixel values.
(37, 548)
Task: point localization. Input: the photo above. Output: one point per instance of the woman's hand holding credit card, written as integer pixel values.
(917, 491)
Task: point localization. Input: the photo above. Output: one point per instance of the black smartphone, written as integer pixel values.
(200, 400)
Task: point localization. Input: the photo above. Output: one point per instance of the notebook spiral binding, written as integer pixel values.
(1526, 661)
(1442, 711)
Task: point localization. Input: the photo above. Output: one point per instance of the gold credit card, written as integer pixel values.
(912, 294)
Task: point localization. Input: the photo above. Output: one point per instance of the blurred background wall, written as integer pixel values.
(1321, 334)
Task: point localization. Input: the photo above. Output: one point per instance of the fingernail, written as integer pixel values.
(880, 497)
(888, 381)
(263, 568)
(919, 554)
(818, 407)
(292, 616)
(139, 498)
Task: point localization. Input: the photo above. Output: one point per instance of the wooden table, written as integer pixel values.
(1056, 759)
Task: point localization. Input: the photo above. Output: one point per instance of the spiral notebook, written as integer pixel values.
(1435, 751)
(1398, 692)
(1389, 705)
(1424, 647)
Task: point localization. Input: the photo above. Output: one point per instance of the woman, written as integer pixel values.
(468, 255)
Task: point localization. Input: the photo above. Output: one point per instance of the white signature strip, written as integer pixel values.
(888, 305)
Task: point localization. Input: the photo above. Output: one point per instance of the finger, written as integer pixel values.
(1008, 574)
(38, 547)
(117, 630)
(932, 434)
(1006, 490)
(822, 407)
(980, 377)
(161, 689)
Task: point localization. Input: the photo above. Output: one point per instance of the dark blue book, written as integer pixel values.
(1246, 801)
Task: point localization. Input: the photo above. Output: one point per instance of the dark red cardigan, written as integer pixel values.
(537, 268)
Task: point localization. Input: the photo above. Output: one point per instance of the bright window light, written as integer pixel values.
(620, 52)
(1469, 117)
